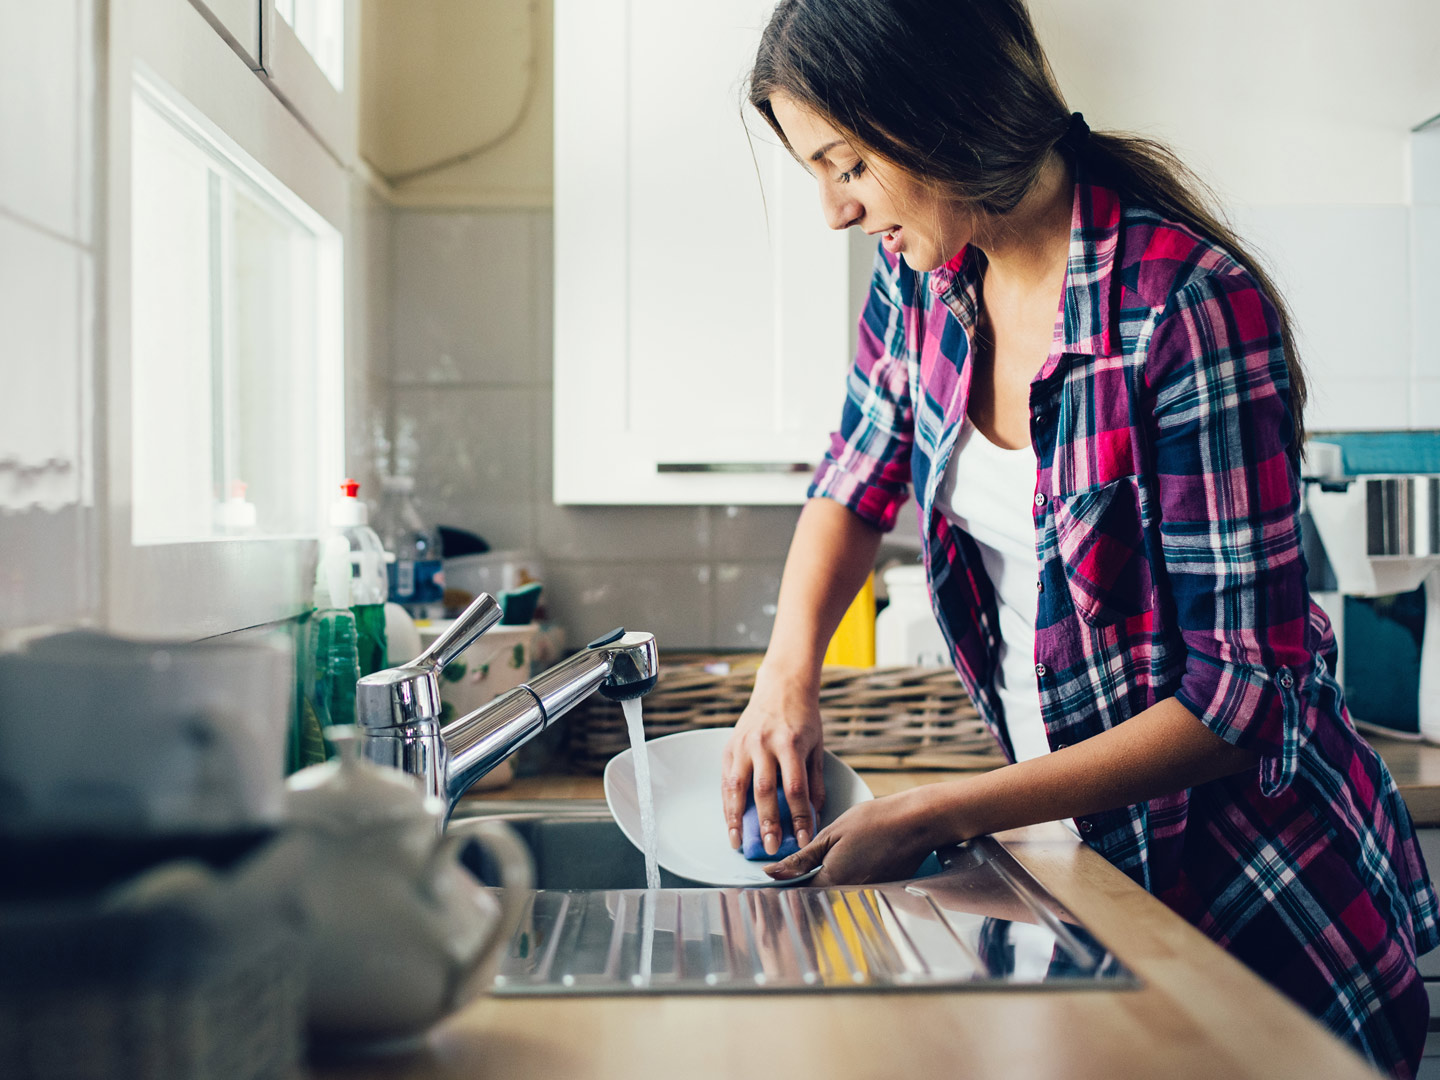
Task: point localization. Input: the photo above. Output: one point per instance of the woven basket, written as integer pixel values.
(876, 718)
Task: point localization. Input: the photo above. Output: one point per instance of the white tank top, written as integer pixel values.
(989, 492)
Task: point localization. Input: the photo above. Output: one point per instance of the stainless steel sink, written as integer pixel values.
(592, 927)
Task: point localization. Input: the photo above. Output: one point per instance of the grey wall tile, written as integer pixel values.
(753, 532)
(621, 534)
(673, 601)
(542, 224)
(473, 458)
(1425, 404)
(1302, 245)
(745, 595)
(1425, 285)
(1358, 404)
(464, 297)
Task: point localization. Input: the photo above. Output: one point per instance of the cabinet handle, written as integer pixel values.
(734, 467)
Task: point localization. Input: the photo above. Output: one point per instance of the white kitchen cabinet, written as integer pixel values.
(702, 311)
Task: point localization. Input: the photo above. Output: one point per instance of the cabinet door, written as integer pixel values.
(701, 311)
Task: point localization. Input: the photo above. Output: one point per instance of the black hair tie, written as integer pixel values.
(1076, 134)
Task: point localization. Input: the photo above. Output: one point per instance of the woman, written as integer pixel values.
(1092, 389)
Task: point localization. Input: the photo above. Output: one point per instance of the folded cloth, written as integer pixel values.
(752, 844)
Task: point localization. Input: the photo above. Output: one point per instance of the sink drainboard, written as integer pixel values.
(981, 922)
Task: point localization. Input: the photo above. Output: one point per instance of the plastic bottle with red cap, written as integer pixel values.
(350, 518)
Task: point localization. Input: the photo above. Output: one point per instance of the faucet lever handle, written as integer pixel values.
(483, 613)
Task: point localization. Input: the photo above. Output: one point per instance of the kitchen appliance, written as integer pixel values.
(1373, 499)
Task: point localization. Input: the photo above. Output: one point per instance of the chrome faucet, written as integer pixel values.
(398, 710)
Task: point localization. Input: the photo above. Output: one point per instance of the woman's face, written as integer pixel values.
(911, 220)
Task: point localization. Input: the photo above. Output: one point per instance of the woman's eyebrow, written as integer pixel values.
(819, 155)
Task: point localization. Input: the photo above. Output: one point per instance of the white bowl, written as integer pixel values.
(691, 836)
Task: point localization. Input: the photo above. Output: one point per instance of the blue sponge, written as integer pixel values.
(752, 844)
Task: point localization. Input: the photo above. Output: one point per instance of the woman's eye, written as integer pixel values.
(846, 177)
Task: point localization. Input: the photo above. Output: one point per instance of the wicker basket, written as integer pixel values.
(876, 718)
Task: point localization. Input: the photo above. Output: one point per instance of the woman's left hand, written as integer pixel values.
(882, 840)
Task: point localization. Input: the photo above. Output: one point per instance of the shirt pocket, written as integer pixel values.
(1101, 539)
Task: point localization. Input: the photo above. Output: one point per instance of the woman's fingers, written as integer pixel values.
(734, 789)
(767, 802)
(795, 782)
(802, 862)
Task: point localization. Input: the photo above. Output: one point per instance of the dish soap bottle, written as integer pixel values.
(369, 582)
(332, 660)
(417, 581)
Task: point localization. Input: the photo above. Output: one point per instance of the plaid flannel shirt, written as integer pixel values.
(1166, 528)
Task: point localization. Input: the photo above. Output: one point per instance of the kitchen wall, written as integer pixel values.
(49, 253)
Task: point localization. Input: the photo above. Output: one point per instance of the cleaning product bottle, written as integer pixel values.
(417, 582)
(906, 633)
(332, 659)
(369, 582)
(853, 644)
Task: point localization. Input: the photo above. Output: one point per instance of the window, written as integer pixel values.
(236, 369)
(320, 26)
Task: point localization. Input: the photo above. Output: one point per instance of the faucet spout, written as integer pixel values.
(399, 709)
(619, 666)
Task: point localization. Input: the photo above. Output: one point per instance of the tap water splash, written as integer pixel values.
(644, 793)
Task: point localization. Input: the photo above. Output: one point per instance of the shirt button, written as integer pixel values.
(1039, 584)
(1040, 670)
(1040, 419)
(1039, 498)
(1285, 679)
(1087, 826)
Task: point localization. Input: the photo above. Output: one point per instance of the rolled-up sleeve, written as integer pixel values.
(867, 466)
(1229, 499)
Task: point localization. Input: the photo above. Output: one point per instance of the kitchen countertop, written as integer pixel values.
(1416, 768)
(1199, 1013)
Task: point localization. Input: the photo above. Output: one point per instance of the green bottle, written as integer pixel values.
(350, 518)
(332, 659)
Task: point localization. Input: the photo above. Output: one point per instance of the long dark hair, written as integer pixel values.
(958, 94)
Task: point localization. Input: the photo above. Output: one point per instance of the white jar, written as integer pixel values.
(906, 634)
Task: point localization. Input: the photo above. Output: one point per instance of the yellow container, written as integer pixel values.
(854, 642)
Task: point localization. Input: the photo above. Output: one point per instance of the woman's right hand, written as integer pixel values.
(777, 745)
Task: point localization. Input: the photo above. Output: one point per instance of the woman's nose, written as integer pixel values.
(841, 209)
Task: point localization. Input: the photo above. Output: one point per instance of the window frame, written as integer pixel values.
(199, 588)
